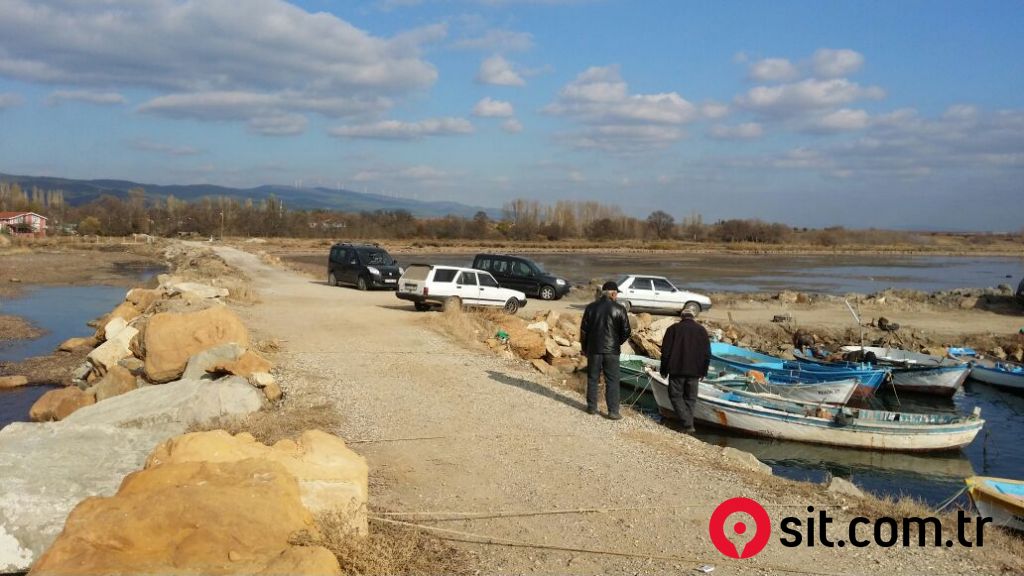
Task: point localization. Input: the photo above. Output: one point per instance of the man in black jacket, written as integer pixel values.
(604, 328)
(685, 356)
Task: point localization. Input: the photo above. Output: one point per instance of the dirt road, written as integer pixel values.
(447, 429)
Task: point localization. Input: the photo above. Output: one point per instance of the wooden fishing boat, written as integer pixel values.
(774, 417)
(830, 392)
(1001, 373)
(917, 372)
(743, 359)
(1000, 499)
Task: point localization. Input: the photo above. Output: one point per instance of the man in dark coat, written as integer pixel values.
(604, 328)
(685, 356)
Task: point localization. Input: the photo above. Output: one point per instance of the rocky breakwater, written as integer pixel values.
(212, 503)
(163, 360)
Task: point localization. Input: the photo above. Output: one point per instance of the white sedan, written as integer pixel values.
(657, 293)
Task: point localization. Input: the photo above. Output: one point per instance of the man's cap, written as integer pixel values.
(687, 313)
(609, 286)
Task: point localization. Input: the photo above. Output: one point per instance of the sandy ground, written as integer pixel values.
(450, 429)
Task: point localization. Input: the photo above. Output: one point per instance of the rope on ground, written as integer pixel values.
(464, 437)
(473, 538)
(454, 515)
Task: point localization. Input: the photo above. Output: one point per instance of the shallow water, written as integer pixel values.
(62, 311)
(997, 451)
(831, 274)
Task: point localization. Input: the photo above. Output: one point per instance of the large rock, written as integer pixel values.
(46, 469)
(842, 487)
(143, 298)
(246, 365)
(206, 361)
(171, 339)
(72, 344)
(180, 403)
(112, 351)
(332, 478)
(125, 311)
(118, 380)
(191, 518)
(12, 381)
(745, 460)
(59, 404)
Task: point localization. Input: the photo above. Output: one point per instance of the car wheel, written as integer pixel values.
(547, 293)
(422, 306)
(692, 307)
(332, 280)
(362, 283)
(453, 303)
(626, 304)
(512, 306)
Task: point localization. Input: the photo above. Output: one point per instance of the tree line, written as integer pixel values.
(521, 220)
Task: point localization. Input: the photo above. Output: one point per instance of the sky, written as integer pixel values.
(864, 114)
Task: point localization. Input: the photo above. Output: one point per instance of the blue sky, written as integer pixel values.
(885, 114)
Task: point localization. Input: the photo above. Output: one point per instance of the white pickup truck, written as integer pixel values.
(452, 287)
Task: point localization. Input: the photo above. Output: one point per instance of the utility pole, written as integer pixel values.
(221, 225)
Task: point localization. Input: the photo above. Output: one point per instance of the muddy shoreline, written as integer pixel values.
(75, 264)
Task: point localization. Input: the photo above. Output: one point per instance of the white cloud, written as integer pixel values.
(810, 94)
(279, 125)
(497, 40)
(842, 120)
(714, 110)
(613, 118)
(829, 63)
(576, 176)
(9, 100)
(88, 96)
(773, 70)
(962, 112)
(498, 71)
(144, 145)
(396, 130)
(488, 108)
(745, 131)
(288, 59)
(512, 126)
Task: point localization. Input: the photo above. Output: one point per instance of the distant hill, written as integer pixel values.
(77, 192)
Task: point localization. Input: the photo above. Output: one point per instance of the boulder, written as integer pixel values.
(570, 328)
(132, 364)
(541, 327)
(172, 338)
(12, 381)
(332, 478)
(273, 392)
(841, 487)
(112, 351)
(46, 469)
(562, 341)
(246, 365)
(72, 344)
(997, 352)
(113, 327)
(180, 404)
(527, 344)
(552, 349)
(143, 298)
(196, 290)
(261, 379)
(117, 381)
(125, 311)
(787, 297)
(541, 366)
(191, 518)
(745, 460)
(644, 320)
(206, 361)
(59, 404)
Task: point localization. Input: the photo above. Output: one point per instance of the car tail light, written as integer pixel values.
(426, 291)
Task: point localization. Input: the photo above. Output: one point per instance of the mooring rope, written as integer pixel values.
(951, 499)
(474, 538)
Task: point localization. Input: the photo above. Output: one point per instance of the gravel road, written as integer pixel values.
(450, 429)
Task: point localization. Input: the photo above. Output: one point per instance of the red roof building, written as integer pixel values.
(23, 224)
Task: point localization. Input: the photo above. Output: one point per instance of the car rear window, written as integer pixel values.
(444, 274)
(416, 272)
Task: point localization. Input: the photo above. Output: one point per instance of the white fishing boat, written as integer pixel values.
(830, 392)
(916, 372)
(1000, 499)
(774, 417)
(1001, 373)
